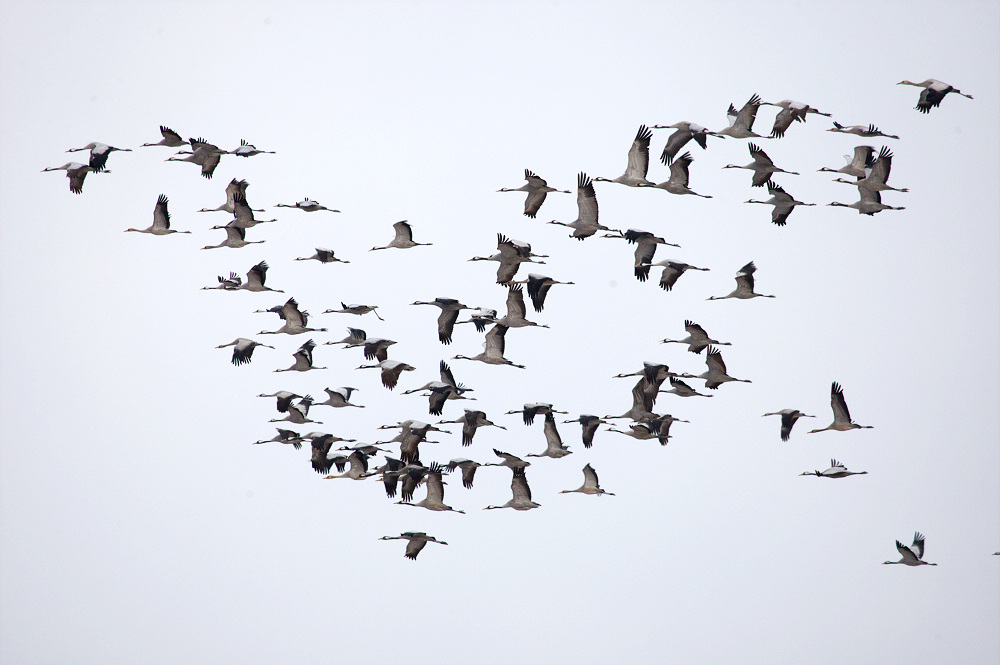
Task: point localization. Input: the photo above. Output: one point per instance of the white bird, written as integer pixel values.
(471, 422)
(339, 397)
(867, 131)
(762, 166)
(744, 285)
(403, 238)
(296, 320)
(417, 540)
(590, 484)
(161, 220)
(858, 165)
(697, 339)
(836, 470)
(76, 172)
(741, 123)
(99, 153)
(932, 94)
(511, 255)
(306, 204)
(716, 374)
(791, 111)
(913, 555)
(248, 150)
(323, 256)
(536, 189)
(585, 224)
(435, 492)
(869, 204)
(788, 418)
(303, 359)
(446, 319)
(678, 182)
(242, 349)
(588, 426)
(235, 238)
(391, 369)
(841, 416)
(638, 161)
(170, 138)
(685, 132)
(355, 309)
(783, 202)
(521, 499)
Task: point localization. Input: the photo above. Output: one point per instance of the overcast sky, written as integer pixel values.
(138, 522)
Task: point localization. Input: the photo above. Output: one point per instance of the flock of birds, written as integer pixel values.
(403, 471)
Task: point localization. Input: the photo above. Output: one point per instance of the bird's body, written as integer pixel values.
(685, 131)
(913, 555)
(471, 422)
(403, 238)
(235, 238)
(741, 122)
(933, 92)
(679, 177)
(323, 256)
(588, 425)
(521, 499)
(307, 205)
(744, 285)
(391, 369)
(867, 131)
(446, 319)
(536, 189)
(170, 138)
(791, 111)
(788, 418)
(76, 172)
(586, 223)
(697, 339)
(303, 359)
(716, 374)
(416, 541)
(841, 416)
(243, 349)
(161, 220)
(762, 167)
(836, 470)
(783, 202)
(590, 484)
(99, 153)
(638, 161)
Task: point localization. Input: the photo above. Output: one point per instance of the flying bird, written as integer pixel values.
(521, 499)
(697, 339)
(585, 224)
(788, 418)
(836, 470)
(638, 161)
(913, 555)
(76, 172)
(867, 131)
(161, 220)
(235, 238)
(841, 416)
(243, 349)
(744, 285)
(741, 122)
(783, 202)
(323, 256)
(762, 166)
(791, 111)
(537, 189)
(446, 319)
(391, 369)
(403, 238)
(99, 153)
(678, 182)
(685, 131)
(716, 374)
(307, 205)
(588, 425)
(511, 255)
(170, 138)
(471, 422)
(590, 484)
(355, 309)
(932, 94)
(303, 359)
(416, 541)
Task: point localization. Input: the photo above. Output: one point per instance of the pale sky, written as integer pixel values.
(139, 525)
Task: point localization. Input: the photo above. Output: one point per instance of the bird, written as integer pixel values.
(355, 309)
(323, 256)
(783, 202)
(435, 492)
(99, 153)
(446, 319)
(513, 462)
(376, 348)
(932, 94)
(653, 375)
(391, 369)
(243, 213)
(588, 425)
(672, 271)
(321, 444)
(417, 540)
(841, 416)
(791, 111)
(685, 131)
(585, 224)
(161, 220)
(170, 138)
(538, 288)
(205, 155)
(762, 166)
(638, 161)
(441, 391)
(494, 348)
(741, 123)
(468, 468)
(913, 555)
(256, 277)
(836, 470)
(356, 337)
(339, 397)
(678, 182)
(306, 204)
(296, 320)
(511, 255)
(235, 238)
(481, 318)
(869, 203)
(716, 374)
(590, 484)
(867, 131)
(285, 436)
(788, 418)
(533, 409)
(403, 238)
(537, 190)
(233, 189)
(248, 150)
(858, 165)
(471, 422)
(284, 399)
(521, 499)
(697, 339)
(642, 404)
(359, 466)
(76, 172)
(303, 359)
(516, 309)
(298, 413)
(682, 389)
(877, 174)
(645, 247)
(243, 349)
(554, 446)
(744, 285)
(656, 428)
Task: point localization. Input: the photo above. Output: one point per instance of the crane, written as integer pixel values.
(762, 166)
(285, 398)
(638, 161)
(521, 499)
(247, 149)
(585, 224)
(233, 189)
(783, 202)
(416, 541)
(645, 247)
(857, 165)
(243, 213)
(672, 271)
(841, 416)
(877, 174)
(298, 413)
(791, 111)
(242, 349)
(788, 418)
(537, 189)
(869, 203)
(76, 172)
(913, 555)
(554, 446)
(590, 484)
(511, 255)
(296, 320)
(685, 131)
(682, 389)
(836, 470)
(468, 468)
(697, 339)
(516, 309)
(867, 131)
(391, 369)
(358, 310)
(339, 397)
(322, 255)
(446, 319)
(716, 374)
(403, 238)
(588, 426)
(435, 492)
(741, 123)
(744, 285)
(170, 138)
(538, 288)
(678, 182)
(99, 153)
(533, 409)
(471, 422)
(307, 205)
(256, 277)
(235, 238)
(933, 92)
(303, 359)
(286, 436)
(359, 466)
(161, 219)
